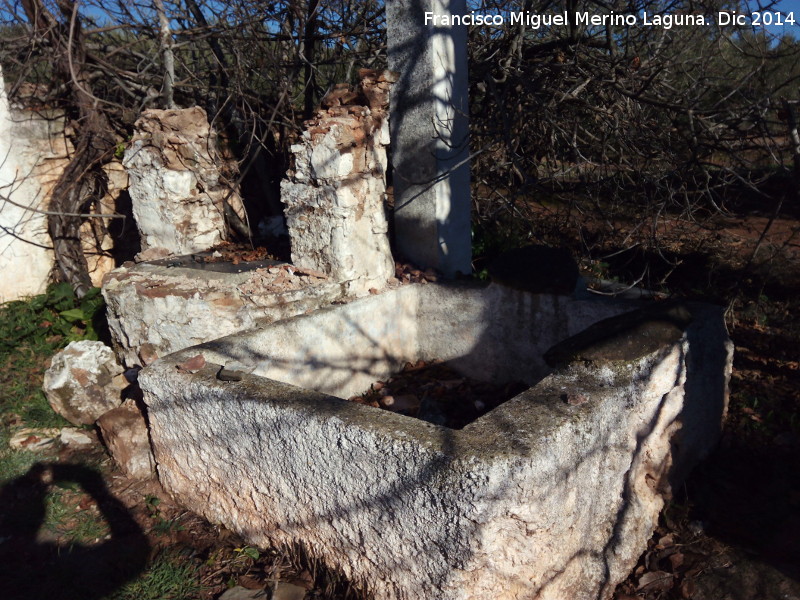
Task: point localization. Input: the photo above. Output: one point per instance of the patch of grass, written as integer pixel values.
(13, 463)
(168, 577)
(31, 331)
(63, 518)
(161, 525)
(49, 320)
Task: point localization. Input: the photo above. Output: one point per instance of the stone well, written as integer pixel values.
(551, 495)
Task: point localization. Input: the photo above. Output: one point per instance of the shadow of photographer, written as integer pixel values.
(34, 568)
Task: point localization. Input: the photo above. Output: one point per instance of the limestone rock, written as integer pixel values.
(241, 593)
(34, 439)
(124, 431)
(148, 354)
(288, 591)
(624, 337)
(176, 188)
(539, 498)
(84, 381)
(77, 438)
(155, 310)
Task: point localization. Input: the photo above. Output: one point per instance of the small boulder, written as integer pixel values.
(288, 591)
(241, 593)
(124, 432)
(84, 381)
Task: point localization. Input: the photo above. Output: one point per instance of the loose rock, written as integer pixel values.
(241, 593)
(124, 431)
(34, 439)
(84, 381)
(76, 438)
(178, 195)
(288, 591)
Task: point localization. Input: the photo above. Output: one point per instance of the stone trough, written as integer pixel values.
(551, 495)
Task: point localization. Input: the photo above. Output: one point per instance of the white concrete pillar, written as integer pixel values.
(430, 134)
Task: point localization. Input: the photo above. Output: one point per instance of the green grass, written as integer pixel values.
(75, 526)
(168, 577)
(31, 331)
(13, 463)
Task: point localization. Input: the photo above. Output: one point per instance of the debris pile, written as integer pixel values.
(280, 278)
(435, 392)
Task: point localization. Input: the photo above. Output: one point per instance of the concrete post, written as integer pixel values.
(430, 134)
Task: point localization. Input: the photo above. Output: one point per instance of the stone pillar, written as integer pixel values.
(178, 199)
(335, 194)
(430, 134)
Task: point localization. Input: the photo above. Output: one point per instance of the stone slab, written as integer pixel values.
(157, 309)
(430, 135)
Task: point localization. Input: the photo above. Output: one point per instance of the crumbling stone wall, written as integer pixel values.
(177, 194)
(335, 194)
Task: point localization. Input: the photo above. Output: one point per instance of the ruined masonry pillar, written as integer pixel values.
(430, 134)
(335, 194)
(177, 194)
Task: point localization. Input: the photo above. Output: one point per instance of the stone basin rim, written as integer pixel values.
(539, 411)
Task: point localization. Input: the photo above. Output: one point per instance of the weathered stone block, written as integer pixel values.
(551, 495)
(156, 309)
(84, 381)
(430, 134)
(124, 432)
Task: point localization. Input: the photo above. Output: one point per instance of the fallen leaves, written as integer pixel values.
(280, 278)
(435, 392)
(233, 253)
(406, 273)
(655, 581)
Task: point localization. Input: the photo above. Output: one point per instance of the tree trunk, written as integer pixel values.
(83, 180)
(309, 75)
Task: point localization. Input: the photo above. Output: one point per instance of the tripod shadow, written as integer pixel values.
(33, 568)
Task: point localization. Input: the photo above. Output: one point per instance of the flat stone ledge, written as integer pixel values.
(171, 308)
